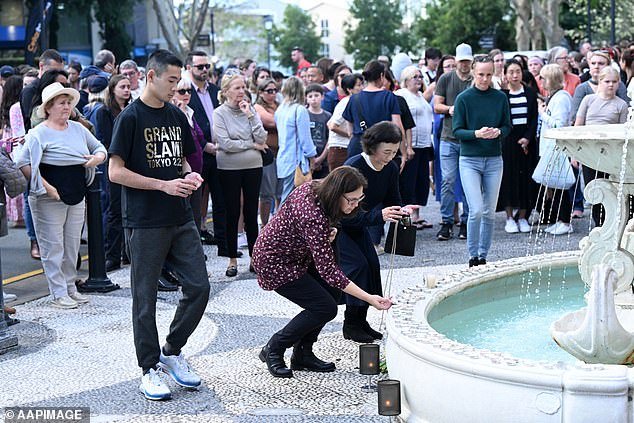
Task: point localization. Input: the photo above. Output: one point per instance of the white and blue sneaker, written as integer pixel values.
(153, 387)
(177, 367)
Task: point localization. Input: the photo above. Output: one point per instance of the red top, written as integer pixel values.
(296, 236)
(302, 64)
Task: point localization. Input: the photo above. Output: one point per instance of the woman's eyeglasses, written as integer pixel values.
(352, 201)
(184, 91)
(205, 66)
(270, 91)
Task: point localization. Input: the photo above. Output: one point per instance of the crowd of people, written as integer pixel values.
(302, 172)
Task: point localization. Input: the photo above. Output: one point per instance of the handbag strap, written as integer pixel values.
(362, 122)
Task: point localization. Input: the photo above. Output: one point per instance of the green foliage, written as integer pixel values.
(573, 19)
(377, 29)
(112, 16)
(243, 36)
(298, 29)
(451, 22)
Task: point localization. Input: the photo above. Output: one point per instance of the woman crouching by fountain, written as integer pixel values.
(294, 256)
(555, 113)
(602, 108)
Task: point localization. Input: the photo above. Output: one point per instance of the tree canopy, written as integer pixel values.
(451, 22)
(376, 29)
(297, 30)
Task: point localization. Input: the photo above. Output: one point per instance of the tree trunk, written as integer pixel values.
(167, 23)
(522, 23)
(546, 15)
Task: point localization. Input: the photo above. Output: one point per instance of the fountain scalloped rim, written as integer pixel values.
(487, 385)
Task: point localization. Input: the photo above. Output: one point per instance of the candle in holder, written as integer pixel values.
(369, 364)
(389, 397)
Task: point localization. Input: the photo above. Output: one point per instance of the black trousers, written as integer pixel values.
(210, 175)
(148, 249)
(319, 302)
(234, 183)
(557, 207)
(114, 229)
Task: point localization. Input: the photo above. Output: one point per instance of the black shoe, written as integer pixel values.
(111, 266)
(356, 332)
(207, 238)
(474, 261)
(275, 362)
(223, 253)
(373, 333)
(251, 268)
(445, 232)
(171, 277)
(482, 261)
(125, 260)
(463, 231)
(232, 271)
(303, 358)
(166, 286)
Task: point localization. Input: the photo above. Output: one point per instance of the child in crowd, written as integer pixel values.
(318, 128)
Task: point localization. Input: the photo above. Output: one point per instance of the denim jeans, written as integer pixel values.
(481, 180)
(449, 154)
(28, 218)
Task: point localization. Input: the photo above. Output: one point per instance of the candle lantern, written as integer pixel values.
(389, 397)
(369, 364)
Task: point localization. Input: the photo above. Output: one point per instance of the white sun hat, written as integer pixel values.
(56, 89)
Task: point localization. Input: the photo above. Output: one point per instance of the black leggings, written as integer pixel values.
(246, 182)
(319, 302)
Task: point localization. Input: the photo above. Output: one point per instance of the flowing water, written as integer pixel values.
(508, 323)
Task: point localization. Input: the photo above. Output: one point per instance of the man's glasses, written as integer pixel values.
(184, 91)
(205, 66)
(352, 201)
(270, 91)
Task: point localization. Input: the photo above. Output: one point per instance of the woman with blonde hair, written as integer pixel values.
(241, 139)
(296, 147)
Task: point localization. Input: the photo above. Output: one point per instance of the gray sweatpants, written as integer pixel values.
(148, 248)
(58, 229)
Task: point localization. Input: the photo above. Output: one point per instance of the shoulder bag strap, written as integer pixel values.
(362, 122)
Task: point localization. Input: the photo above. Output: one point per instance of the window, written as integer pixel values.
(325, 50)
(12, 13)
(324, 28)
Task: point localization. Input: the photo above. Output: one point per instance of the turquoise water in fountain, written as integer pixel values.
(513, 314)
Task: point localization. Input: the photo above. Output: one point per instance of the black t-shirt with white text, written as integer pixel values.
(153, 143)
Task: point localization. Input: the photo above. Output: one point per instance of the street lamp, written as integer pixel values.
(268, 26)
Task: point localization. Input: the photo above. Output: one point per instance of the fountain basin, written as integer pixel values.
(597, 146)
(447, 381)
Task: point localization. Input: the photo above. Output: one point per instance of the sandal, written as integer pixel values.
(422, 224)
(231, 271)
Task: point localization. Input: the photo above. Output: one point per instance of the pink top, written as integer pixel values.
(296, 236)
(16, 121)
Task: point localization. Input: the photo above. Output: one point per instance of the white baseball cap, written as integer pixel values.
(463, 52)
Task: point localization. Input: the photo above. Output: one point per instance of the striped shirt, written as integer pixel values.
(519, 107)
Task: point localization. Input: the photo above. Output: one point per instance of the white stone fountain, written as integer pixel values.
(443, 380)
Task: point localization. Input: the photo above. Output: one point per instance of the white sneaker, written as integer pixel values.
(523, 225)
(242, 240)
(177, 367)
(64, 302)
(79, 298)
(153, 387)
(511, 226)
(551, 228)
(562, 228)
(9, 297)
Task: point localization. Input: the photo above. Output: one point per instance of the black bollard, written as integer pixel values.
(8, 340)
(97, 280)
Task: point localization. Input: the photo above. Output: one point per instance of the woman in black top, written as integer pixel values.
(381, 203)
(519, 151)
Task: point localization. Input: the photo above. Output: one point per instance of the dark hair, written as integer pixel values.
(50, 55)
(246, 64)
(296, 48)
(385, 131)
(47, 79)
(628, 59)
(349, 81)
(373, 71)
(261, 87)
(432, 53)
(523, 60)
(325, 65)
(253, 82)
(111, 102)
(277, 75)
(315, 88)
(339, 69)
(511, 62)
(10, 96)
(332, 70)
(75, 65)
(390, 79)
(161, 59)
(190, 56)
(329, 190)
(440, 70)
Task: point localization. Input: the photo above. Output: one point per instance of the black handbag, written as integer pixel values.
(401, 238)
(267, 157)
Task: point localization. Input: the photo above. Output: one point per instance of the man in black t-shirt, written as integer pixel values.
(150, 140)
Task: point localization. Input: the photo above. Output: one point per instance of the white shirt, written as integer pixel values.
(423, 117)
(334, 139)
